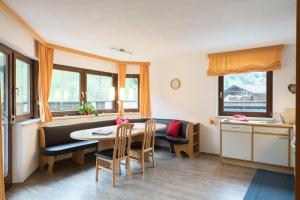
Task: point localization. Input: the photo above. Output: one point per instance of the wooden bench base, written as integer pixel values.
(77, 157)
(187, 148)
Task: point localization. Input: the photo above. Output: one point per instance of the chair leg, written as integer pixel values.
(128, 166)
(97, 169)
(153, 157)
(113, 175)
(143, 161)
(120, 171)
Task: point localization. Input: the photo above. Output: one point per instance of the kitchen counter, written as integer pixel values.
(257, 123)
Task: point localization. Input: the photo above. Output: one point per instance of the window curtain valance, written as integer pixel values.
(249, 60)
(45, 56)
(145, 107)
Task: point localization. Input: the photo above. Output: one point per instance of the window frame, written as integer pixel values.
(115, 84)
(81, 87)
(269, 94)
(29, 115)
(138, 108)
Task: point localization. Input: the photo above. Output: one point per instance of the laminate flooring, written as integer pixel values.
(202, 177)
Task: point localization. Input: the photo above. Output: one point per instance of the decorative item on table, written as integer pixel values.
(241, 118)
(102, 132)
(122, 121)
(86, 109)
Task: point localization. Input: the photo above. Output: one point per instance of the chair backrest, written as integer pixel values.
(149, 135)
(123, 140)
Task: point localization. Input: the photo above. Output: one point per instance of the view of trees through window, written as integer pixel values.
(22, 87)
(131, 93)
(245, 92)
(65, 91)
(98, 89)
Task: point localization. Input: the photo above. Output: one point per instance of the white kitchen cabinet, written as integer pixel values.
(271, 149)
(236, 145)
(264, 145)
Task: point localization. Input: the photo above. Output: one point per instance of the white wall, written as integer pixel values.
(16, 37)
(196, 100)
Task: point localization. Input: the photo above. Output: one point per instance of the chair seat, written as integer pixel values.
(136, 146)
(107, 154)
(177, 140)
(68, 148)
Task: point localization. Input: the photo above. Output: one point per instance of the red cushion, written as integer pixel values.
(120, 121)
(174, 128)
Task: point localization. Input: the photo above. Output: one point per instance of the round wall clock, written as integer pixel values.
(175, 83)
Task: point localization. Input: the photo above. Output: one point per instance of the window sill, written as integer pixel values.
(31, 121)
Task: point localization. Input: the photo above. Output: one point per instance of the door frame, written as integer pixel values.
(6, 50)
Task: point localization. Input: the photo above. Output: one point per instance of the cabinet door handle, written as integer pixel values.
(235, 127)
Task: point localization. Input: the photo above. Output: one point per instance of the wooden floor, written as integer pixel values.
(202, 177)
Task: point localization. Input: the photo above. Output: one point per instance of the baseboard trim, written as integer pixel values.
(250, 164)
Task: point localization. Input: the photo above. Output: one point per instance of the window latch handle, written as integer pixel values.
(13, 119)
(221, 95)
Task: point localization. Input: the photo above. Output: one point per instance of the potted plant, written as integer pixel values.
(86, 109)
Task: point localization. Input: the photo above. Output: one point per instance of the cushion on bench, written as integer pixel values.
(176, 140)
(160, 135)
(68, 148)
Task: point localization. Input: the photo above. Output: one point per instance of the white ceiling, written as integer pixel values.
(155, 28)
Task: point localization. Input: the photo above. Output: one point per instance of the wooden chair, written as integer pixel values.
(139, 149)
(111, 158)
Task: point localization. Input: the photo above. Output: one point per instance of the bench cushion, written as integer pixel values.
(176, 140)
(68, 148)
(160, 135)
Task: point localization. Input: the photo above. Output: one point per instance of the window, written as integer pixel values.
(70, 86)
(65, 91)
(131, 102)
(248, 94)
(22, 87)
(23, 94)
(99, 91)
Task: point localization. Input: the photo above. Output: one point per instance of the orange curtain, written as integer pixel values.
(2, 189)
(249, 60)
(145, 107)
(121, 84)
(45, 56)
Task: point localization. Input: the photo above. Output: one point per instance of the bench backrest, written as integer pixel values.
(56, 135)
(183, 128)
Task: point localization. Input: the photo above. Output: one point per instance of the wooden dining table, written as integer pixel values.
(106, 141)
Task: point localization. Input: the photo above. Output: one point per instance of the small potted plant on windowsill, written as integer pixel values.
(86, 109)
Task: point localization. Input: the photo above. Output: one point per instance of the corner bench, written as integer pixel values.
(183, 143)
(56, 140)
